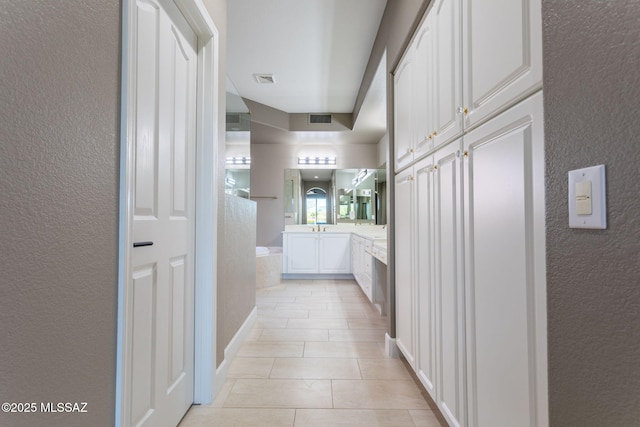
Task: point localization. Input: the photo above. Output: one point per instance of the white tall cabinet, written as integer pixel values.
(405, 284)
(425, 273)
(505, 269)
(449, 285)
(446, 74)
(502, 51)
(469, 203)
(403, 112)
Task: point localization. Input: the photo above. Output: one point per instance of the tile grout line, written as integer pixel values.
(333, 406)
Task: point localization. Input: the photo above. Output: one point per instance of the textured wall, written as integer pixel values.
(236, 269)
(59, 133)
(398, 22)
(592, 93)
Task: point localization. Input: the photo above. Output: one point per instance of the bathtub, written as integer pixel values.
(268, 266)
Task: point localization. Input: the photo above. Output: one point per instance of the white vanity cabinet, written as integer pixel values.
(316, 253)
(362, 267)
(502, 55)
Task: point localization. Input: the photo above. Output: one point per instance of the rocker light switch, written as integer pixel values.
(583, 198)
(587, 198)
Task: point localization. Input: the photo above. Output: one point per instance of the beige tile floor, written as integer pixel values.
(315, 357)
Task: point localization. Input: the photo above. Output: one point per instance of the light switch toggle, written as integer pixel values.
(583, 198)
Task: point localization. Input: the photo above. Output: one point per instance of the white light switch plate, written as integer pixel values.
(587, 198)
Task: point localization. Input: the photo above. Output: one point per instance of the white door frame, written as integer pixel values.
(208, 93)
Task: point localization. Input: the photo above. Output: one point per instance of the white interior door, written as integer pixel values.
(159, 320)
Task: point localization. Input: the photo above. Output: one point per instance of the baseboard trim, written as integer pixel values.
(390, 347)
(232, 348)
(291, 276)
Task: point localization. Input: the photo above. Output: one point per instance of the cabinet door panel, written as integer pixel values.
(404, 264)
(302, 254)
(449, 284)
(335, 256)
(447, 68)
(502, 55)
(504, 215)
(402, 107)
(422, 92)
(426, 365)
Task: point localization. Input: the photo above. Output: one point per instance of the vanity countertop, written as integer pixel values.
(373, 232)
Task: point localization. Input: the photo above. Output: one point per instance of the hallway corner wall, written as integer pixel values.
(236, 270)
(59, 173)
(591, 91)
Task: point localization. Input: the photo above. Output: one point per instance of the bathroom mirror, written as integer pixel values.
(380, 199)
(237, 144)
(334, 196)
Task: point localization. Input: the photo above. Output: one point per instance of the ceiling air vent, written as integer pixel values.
(233, 118)
(264, 79)
(320, 118)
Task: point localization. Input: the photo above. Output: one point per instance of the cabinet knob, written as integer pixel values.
(466, 154)
(465, 110)
(411, 150)
(430, 137)
(435, 133)
(435, 168)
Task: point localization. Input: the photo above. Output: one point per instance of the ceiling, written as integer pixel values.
(317, 52)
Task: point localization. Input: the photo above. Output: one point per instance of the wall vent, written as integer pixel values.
(320, 118)
(265, 79)
(233, 118)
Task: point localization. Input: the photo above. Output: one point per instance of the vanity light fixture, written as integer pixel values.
(361, 176)
(316, 160)
(239, 160)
